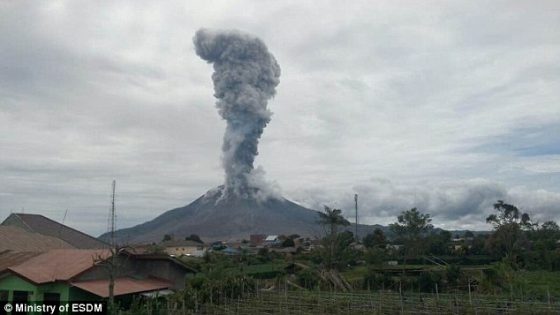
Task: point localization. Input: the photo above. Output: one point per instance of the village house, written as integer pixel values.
(77, 274)
(183, 248)
(257, 239)
(272, 240)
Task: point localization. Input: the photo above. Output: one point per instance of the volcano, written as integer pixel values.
(215, 216)
(245, 78)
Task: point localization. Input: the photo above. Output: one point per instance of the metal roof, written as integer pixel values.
(59, 264)
(125, 285)
(10, 258)
(18, 239)
(181, 243)
(43, 225)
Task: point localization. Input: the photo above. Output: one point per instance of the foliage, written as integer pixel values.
(375, 256)
(194, 237)
(428, 280)
(375, 239)
(332, 218)
(288, 242)
(453, 274)
(438, 243)
(507, 215)
(508, 239)
(308, 278)
(410, 227)
(376, 280)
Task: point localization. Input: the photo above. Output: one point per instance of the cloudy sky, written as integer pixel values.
(442, 105)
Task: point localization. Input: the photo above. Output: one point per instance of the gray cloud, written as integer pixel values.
(453, 205)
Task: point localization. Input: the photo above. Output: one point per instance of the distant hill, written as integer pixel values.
(214, 218)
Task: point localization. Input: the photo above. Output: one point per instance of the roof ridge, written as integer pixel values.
(21, 219)
(64, 225)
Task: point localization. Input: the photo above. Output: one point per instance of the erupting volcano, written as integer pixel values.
(245, 78)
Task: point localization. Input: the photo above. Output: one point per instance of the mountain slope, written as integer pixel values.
(214, 218)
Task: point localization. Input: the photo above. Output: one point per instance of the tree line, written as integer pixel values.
(515, 239)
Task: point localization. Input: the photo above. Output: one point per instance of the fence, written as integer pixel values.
(380, 302)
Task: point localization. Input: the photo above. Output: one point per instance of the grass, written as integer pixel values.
(269, 267)
(540, 283)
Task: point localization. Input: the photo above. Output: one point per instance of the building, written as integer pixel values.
(183, 248)
(83, 275)
(257, 239)
(272, 240)
(36, 223)
(13, 238)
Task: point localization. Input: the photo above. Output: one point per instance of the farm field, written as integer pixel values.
(321, 302)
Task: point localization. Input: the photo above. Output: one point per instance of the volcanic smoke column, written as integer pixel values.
(245, 77)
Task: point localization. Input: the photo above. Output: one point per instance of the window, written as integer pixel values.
(20, 297)
(51, 299)
(3, 299)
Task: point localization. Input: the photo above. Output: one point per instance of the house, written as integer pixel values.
(36, 223)
(13, 238)
(394, 247)
(183, 248)
(83, 275)
(272, 240)
(257, 239)
(459, 244)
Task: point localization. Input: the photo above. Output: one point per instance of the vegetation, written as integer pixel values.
(332, 218)
(411, 228)
(514, 269)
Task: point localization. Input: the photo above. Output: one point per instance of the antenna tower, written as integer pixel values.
(356, 204)
(113, 215)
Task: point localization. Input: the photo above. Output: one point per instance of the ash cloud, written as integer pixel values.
(245, 78)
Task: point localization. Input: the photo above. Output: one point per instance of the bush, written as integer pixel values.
(308, 278)
(374, 280)
(427, 281)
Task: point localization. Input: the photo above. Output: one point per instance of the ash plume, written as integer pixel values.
(245, 78)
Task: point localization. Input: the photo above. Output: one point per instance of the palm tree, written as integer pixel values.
(332, 218)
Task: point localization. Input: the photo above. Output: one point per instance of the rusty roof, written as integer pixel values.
(43, 225)
(59, 264)
(181, 243)
(18, 239)
(9, 258)
(125, 285)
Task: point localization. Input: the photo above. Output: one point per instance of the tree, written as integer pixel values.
(167, 237)
(288, 242)
(194, 238)
(332, 218)
(410, 227)
(375, 239)
(439, 242)
(508, 237)
(507, 215)
(543, 247)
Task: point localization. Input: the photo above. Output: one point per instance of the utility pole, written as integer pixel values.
(113, 254)
(356, 204)
(113, 215)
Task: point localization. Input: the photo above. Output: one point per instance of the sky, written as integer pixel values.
(447, 106)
